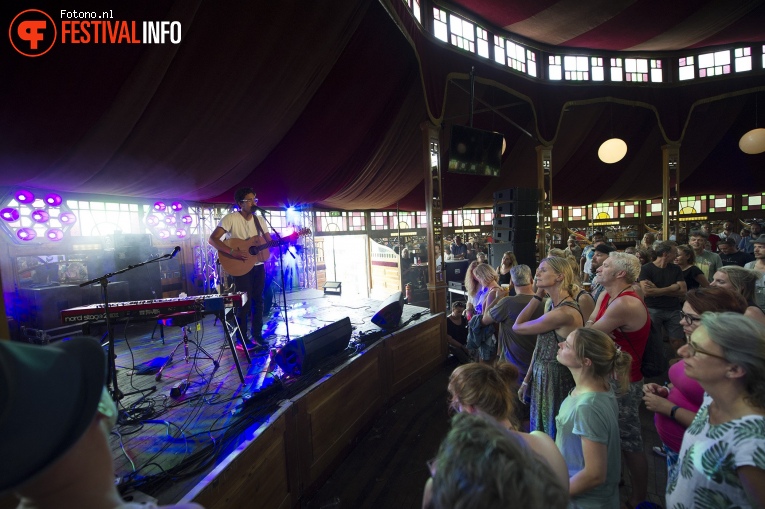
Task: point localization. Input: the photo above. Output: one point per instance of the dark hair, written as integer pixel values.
(714, 299)
(480, 464)
(241, 193)
(688, 250)
(662, 247)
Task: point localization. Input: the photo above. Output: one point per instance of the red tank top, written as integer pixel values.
(631, 342)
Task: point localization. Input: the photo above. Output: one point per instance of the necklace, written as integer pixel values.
(611, 300)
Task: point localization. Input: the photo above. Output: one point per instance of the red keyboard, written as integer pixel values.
(149, 309)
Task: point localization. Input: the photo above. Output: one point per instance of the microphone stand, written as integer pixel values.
(281, 273)
(111, 375)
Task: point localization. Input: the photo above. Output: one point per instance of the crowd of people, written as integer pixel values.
(576, 342)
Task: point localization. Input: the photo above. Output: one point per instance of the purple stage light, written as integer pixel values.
(177, 206)
(159, 206)
(186, 219)
(181, 234)
(152, 220)
(9, 214)
(24, 196)
(67, 218)
(163, 234)
(170, 220)
(53, 199)
(40, 216)
(54, 234)
(26, 234)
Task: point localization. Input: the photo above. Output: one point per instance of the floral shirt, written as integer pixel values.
(709, 458)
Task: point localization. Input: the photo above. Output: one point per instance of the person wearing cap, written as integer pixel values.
(55, 420)
(600, 253)
(730, 255)
(759, 265)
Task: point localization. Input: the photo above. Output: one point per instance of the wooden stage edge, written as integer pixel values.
(297, 448)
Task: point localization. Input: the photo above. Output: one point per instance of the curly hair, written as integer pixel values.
(607, 358)
(480, 464)
(743, 343)
(485, 387)
(241, 193)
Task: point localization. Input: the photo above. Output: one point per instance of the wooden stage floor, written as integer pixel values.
(163, 446)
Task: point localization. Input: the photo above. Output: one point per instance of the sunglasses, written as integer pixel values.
(689, 319)
(693, 348)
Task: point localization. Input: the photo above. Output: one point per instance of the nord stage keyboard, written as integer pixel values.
(149, 309)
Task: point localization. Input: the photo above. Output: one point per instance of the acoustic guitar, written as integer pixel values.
(258, 247)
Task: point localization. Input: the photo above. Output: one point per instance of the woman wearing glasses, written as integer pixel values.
(676, 404)
(722, 459)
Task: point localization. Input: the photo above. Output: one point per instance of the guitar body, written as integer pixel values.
(259, 249)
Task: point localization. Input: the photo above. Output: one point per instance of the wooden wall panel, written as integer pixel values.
(335, 411)
(415, 353)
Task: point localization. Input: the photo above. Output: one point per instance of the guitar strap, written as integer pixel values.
(260, 228)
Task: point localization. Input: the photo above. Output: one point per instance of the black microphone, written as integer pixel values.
(262, 211)
(175, 251)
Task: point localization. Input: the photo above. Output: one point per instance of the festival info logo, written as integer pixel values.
(32, 33)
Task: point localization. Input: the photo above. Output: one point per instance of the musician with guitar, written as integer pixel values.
(241, 230)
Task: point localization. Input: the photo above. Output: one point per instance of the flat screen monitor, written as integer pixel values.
(474, 151)
(455, 270)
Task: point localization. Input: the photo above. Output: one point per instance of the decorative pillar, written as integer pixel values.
(431, 156)
(544, 185)
(670, 198)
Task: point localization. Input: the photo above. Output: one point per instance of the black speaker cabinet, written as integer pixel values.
(300, 355)
(389, 315)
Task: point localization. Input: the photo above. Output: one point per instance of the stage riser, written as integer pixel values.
(298, 451)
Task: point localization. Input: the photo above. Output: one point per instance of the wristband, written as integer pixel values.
(538, 298)
(589, 321)
(524, 383)
(672, 412)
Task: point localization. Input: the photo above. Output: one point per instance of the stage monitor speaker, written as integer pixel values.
(300, 355)
(389, 315)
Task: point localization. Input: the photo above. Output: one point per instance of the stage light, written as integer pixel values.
(170, 220)
(24, 196)
(68, 218)
(54, 234)
(152, 220)
(163, 234)
(181, 234)
(186, 219)
(26, 234)
(53, 200)
(159, 206)
(40, 216)
(9, 214)
(177, 206)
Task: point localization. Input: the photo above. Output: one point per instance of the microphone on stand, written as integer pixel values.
(262, 211)
(175, 252)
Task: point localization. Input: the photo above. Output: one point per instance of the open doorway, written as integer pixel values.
(345, 260)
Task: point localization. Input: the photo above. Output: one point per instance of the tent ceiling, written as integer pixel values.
(320, 106)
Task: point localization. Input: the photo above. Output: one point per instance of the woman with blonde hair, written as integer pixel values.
(481, 282)
(743, 281)
(547, 380)
(483, 388)
(588, 422)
